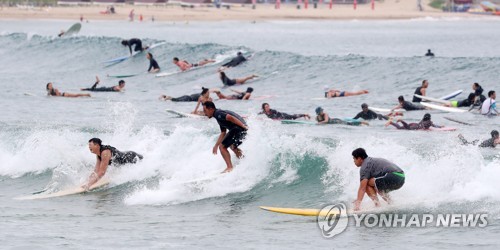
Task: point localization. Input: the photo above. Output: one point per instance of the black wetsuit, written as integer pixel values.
(429, 54)
(137, 42)
(238, 96)
(236, 134)
(418, 92)
(282, 116)
(228, 82)
(370, 115)
(101, 89)
(408, 106)
(187, 98)
(479, 93)
(153, 64)
(120, 158)
(490, 143)
(235, 61)
(415, 126)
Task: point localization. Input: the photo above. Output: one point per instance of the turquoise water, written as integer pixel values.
(43, 140)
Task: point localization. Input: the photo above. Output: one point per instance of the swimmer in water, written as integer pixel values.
(230, 82)
(51, 91)
(275, 115)
(239, 95)
(323, 118)
(489, 143)
(185, 65)
(117, 88)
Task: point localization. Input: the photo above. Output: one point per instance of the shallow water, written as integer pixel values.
(149, 205)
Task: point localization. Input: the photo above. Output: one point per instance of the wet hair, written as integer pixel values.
(401, 98)
(150, 55)
(121, 82)
(264, 105)
(429, 50)
(491, 92)
(176, 59)
(427, 117)
(47, 87)
(124, 42)
(494, 133)
(204, 90)
(239, 53)
(423, 82)
(249, 90)
(359, 153)
(209, 105)
(223, 74)
(364, 105)
(477, 85)
(96, 141)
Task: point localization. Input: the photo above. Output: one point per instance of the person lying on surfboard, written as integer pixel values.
(425, 123)
(406, 105)
(421, 91)
(367, 114)
(332, 93)
(227, 120)
(239, 95)
(185, 65)
(230, 82)
(323, 118)
(136, 42)
(239, 59)
(153, 65)
(107, 155)
(275, 115)
(51, 91)
(489, 143)
(377, 177)
(117, 88)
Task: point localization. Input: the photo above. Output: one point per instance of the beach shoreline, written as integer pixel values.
(389, 9)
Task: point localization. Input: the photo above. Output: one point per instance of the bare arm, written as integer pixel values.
(100, 169)
(423, 91)
(236, 121)
(219, 141)
(197, 105)
(361, 194)
(326, 119)
(247, 96)
(397, 107)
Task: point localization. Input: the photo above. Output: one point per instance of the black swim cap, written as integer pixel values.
(364, 105)
(494, 133)
(401, 98)
(427, 117)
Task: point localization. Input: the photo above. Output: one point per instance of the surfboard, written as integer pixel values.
(431, 99)
(383, 110)
(125, 75)
(76, 190)
(451, 95)
(441, 129)
(123, 58)
(73, 30)
(298, 122)
(447, 109)
(204, 179)
(184, 115)
(218, 59)
(305, 211)
(457, 121)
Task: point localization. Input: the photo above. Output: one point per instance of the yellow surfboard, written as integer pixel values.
(76, 190)
(307, 211)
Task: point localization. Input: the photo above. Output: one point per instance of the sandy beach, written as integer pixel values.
(389, 9)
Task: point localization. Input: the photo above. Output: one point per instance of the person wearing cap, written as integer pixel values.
(331, 93)
(368, 114)
(275, 115)
(377, 176)
(117, 88)
(425, 123)
(489, 143)
(406, 105)
(323, 118)
(239, 95)
(227, 120)
(230, 82)
(234, 62)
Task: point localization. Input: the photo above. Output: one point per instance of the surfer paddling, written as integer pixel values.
(117, 88)
(406, 105)
(424, 124)
(377, 177)
(234, 62)
(51, 91)
(107, 155)
(323, 118)
(230, 82)
(489, 143)
(227, 120)
(276, 115)
(332, 93)
(185, 65)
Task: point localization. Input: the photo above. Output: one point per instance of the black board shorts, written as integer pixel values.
(390, 182)
(234, 137)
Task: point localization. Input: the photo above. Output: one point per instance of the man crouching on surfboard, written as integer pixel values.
(377, 176)
(107, 155)
(228, 120)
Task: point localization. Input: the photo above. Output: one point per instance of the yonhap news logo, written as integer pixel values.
(333, 220)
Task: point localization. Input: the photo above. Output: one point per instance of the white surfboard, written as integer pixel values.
(384, 110)
(184, 115)
(76, 190)
(73, 30)
(451, 95)
(427, 98)
(442, 108)
(204, 179)
(123, 58)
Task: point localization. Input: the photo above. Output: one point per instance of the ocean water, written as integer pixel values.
(153, 204)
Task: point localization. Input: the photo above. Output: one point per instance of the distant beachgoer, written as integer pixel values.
(406, 105)
(489, 107)
(61, 33)
(323, 118)
(368, 114)
(137, 44)
(153, 65)
(117, 88)
(51, 91)
(421, 91)
(424, 124)
(429, 53)
(131, 15)
(230, 82)
(489, 143)
(140, 17)
(239, 95)
(235, 61)
(275, 115)
(332, 93)
(185, 65)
